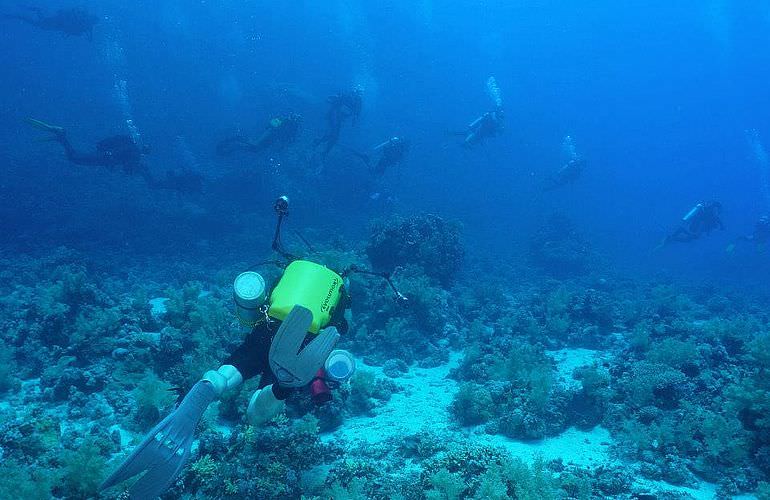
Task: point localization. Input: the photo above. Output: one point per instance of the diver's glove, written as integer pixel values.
(263, 406)
(165, 450)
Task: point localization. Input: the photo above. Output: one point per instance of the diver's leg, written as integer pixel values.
(72, 155)
(682, 235)
(381, 166)
(77, 157)
(232, 145)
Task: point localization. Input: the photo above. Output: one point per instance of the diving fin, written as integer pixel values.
(165, 450)
(292, 367)
(45, 126)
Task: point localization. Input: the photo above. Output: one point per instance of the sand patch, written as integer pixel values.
(567, 360)
(424, 404)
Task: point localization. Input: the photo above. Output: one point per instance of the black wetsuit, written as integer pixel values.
(488, 125)
(279, 133)
(567, 174)
(393, 152)
(73, 22)
(251, 358)
(761, 232)
(116, 151)
(702, 220)
(341, 107)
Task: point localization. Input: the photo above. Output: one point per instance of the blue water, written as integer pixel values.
(666, 101)
(657, 98)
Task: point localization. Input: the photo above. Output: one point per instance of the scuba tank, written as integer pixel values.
(697, 208)
(249, 296)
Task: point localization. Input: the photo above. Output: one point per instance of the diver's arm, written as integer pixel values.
(338, 319)
(250, 357)
(72, 155)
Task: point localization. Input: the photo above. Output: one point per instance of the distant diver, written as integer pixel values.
(342, 106)
(123, 153)
(760, 236)
(567, 174)
(280, 132)
(701, 219)
(484, 127)
(392, 152)
(73, 21)
(571, 171)
(490, 123)
(115, 151)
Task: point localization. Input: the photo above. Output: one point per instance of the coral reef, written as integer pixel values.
(427, 241)
(559, 250)
(677, 376)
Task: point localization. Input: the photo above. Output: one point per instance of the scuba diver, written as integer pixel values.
(484, 127)
(394, 150)
(280, 132)
(122, 152)
(116, 151)
(567, 174)
(759, 236)
(341, 107)
(73, 22)
(295, 328)
(701, 219)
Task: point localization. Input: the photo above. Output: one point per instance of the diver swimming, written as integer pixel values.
(342, 106)
(759, 236)
(280, 131)
(294, 326)
(121, 152)
(490, 123)
(701, 220)
(74, 21)
(393, 151)
(567, 174)
(118, 151)
(571, 171)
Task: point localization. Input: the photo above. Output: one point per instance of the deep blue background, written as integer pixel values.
(656, 96)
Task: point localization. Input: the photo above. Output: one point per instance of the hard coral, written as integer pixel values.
(424, 240)
(559, 250)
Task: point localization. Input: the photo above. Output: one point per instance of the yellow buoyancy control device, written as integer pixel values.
(310, 285)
